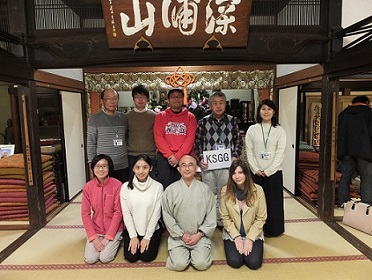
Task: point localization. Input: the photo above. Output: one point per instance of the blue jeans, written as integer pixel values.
(349, 166)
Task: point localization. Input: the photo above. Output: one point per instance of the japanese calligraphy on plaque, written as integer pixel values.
(176, 23)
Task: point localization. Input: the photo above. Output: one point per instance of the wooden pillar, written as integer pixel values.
(330, 89)
(27, 101)
(13, 93)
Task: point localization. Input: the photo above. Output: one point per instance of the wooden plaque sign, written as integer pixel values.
(176, 23)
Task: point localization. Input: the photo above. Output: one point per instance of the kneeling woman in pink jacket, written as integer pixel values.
(101, 212)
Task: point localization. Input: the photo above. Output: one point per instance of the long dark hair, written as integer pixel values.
(97, 158)
(271, 104)
(249, 187)
(143, 157)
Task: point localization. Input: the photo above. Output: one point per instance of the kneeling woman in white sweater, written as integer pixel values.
(140, 199)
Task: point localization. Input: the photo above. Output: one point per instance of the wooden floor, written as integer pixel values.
(309, 249)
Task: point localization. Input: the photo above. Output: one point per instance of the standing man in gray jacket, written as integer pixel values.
(107, 134)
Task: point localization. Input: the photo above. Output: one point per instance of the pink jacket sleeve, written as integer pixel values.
(86, 215)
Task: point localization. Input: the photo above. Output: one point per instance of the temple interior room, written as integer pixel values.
(311, 58)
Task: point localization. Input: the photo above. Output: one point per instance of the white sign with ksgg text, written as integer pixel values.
(217, 159)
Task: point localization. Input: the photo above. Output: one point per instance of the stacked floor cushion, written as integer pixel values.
(309, 176)
(13, 195)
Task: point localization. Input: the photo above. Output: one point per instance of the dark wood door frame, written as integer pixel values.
(330, 87)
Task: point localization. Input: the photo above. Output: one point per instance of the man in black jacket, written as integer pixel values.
(354, 148)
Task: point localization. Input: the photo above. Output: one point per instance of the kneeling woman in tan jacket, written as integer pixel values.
(243, 214)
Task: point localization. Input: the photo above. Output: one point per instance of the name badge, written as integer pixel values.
(265, 156)
(118, 142)
(219, 147)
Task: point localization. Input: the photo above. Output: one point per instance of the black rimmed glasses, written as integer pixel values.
(98, 167)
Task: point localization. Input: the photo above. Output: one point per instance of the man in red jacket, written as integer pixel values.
(174, 133)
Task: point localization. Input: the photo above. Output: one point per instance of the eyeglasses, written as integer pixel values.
(104, 167)
(109, 99)
(189, 166)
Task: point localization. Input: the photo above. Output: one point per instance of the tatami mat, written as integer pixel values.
(8, 236)
(367, 239)
(309, 249)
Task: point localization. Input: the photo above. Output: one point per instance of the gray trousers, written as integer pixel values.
(105, 256)
(216, 179)
(182, 255)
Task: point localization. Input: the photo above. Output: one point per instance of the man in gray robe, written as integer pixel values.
(189, 214)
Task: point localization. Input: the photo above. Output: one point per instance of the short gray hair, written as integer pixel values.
(217, 93)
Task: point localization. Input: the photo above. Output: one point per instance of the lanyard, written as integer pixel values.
(263, 136)
(117, 127)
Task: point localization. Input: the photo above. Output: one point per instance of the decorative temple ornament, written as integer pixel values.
(180, 79)
(143, 44)
(316, 128)
(212, 43)
(204, 80)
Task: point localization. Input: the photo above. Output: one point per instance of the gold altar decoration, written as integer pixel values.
(180, 79)
(204, 80)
